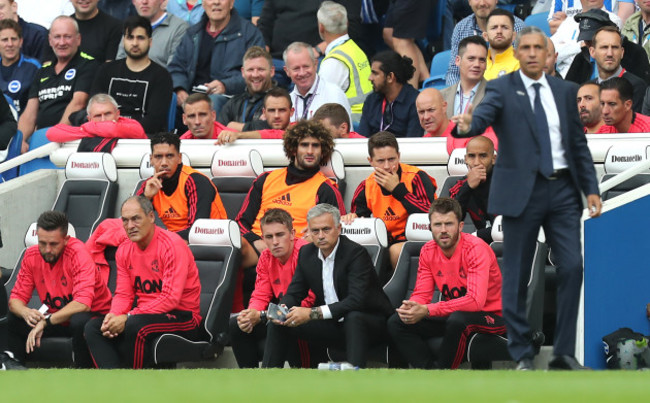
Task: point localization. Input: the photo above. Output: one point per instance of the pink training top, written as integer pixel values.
(74, 277)
(469, 281)
(123, 128)
(163, 277)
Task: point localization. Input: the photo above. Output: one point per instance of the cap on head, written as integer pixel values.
(590, 21)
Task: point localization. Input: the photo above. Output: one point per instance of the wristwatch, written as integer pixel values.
(314, 314)
(48, 322)
(263, 318)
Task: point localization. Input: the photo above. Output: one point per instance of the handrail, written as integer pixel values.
(625, 175)
(42, 151)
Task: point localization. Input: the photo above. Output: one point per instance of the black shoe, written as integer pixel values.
(8, 362)
(525, 364)
(566, 363)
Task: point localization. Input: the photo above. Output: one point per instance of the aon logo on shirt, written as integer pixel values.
(452, 293)
(147, 286)
(57, 302)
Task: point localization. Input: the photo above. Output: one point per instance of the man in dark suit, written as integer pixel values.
(350, 309)
(543, 166)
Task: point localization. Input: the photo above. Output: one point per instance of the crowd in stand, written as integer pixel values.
(305, 72)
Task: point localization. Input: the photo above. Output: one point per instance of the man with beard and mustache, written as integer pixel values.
(141, 87)
(500, 34)
(391, 106)
(179, 193)
(589, 107)
(465, 269)
(617, 111)
(68, 284)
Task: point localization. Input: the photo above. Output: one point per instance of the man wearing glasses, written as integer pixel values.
(391, 106)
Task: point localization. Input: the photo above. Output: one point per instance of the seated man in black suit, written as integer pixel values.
(350, 309)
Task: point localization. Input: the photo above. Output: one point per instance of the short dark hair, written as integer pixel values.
(197, 97)
(500, 11)
(278, 92)
(474, 39)
(135, 21)
(606, 28)
(393, 62)
(8, 23)
(145, 204)
(308, 128)
(444, 205)
(277, 215)
(166, 138)
(620, 84)
(333, 111)
(52, 220)
(381, 140)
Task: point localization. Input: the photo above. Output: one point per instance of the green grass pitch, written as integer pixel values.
(305, 386)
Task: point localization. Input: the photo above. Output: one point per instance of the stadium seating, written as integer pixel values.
(438, 71)
(233, 172)
(13, 150)
(371, 234)
(618, 159)
(215, 245)
(89, 192)
(53, 350)
(36, 140)
(457, 169)
(540, 20)
(335, 170)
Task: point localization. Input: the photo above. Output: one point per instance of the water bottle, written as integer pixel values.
(337, 366)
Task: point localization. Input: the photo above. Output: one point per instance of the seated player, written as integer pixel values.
(336, 119)
(180, 194)
(392, 192)
(158, 291)
(350, 307)
(466, 272)
(200, 118)
(617, 110)
(104, 128)
(68, 284)
(275, 269)
(472, 191)
(296, 188)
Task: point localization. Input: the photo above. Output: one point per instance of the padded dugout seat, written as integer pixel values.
(89, 192)
(53, 349)
(215, 245)
(371, 233)
(233, 173)
(457, 169)
(335, 170)
(620, 158)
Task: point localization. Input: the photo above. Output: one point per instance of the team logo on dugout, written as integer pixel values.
(69, 75)
(14, 86)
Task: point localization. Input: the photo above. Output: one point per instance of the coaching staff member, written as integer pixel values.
(156, 269)
(543, 166)
(350, 309)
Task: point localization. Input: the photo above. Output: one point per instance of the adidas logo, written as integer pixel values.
(277, 281)
(390, 215)
(171, 213)
(284, 200)
(439, 273)
(462, 273)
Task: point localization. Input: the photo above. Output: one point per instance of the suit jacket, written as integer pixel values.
(355, 281)
(449, 95)
(507, 109)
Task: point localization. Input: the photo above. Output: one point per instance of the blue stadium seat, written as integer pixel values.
(539, 20)
(13, 150)
(171, 116)
(438, 70)
(36, 140)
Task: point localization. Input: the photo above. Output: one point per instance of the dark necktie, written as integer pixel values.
(306, 102)
(387, 117)
(543, 135)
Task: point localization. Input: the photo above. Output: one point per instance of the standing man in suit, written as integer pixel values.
(470, 90)
(543, 166)
(350, 309)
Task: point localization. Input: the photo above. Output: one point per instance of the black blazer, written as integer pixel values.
(355, 281)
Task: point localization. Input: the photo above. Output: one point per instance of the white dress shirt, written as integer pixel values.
(553, 118)
(328, 280)
(334, 70)
(323, 92)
